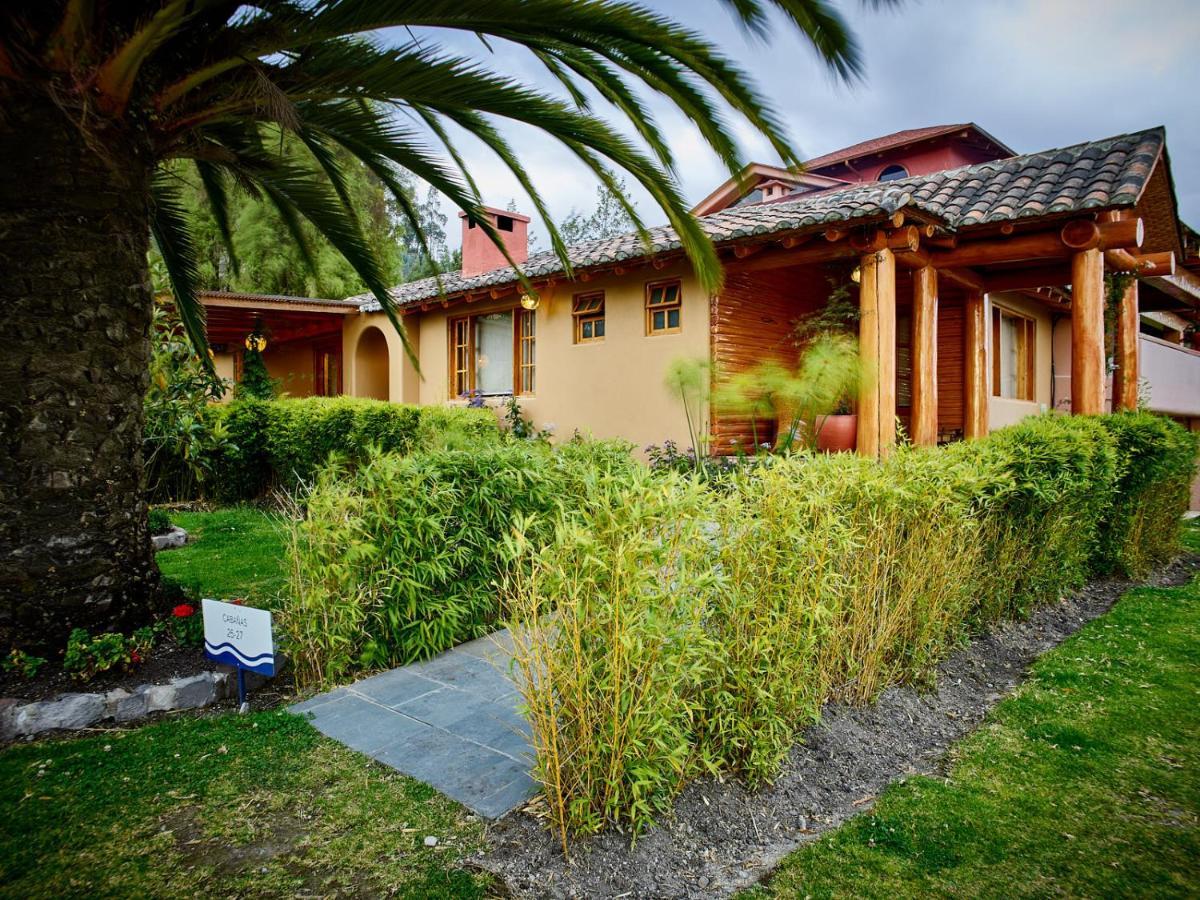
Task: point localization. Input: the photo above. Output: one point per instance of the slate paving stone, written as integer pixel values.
(394, 687)
(364, 726)
(451, 722)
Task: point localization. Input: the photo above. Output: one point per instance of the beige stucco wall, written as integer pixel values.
(224, 364)
(402, 377)
(291, 365)
(1003, 411)
(613, 388)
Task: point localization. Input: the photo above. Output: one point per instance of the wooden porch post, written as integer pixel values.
(975, 355)
(877, 342)
(1087, 332)
(1125, 381)
(924, 357)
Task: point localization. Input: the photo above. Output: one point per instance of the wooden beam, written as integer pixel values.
(877, 343)
(913, 259)
(1087, 332)
(1045, 244)
(924, 357)
(968, 278)
(776, 259)
(1125, 378)
(1027, 279)
(975, 424)
(1144, 264)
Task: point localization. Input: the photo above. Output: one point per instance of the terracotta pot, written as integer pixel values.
(837, 434)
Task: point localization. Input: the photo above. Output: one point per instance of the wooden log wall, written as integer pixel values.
(752, 321)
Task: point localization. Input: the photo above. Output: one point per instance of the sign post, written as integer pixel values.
(239, 636)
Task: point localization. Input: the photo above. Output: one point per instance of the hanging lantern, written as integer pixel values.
(256, 341)
(530, 301)
(856, 275)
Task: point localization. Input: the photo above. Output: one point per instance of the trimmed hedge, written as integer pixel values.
(287, 443)
(698, 631)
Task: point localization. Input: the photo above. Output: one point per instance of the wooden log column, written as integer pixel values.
(975, 422)
(924, 357)
(1087, 332)
(877, 343)
(1125, 380)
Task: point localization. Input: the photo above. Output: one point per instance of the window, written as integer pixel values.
(493, 352)
(527, 351)
(504, 223)
(891, 173)
(663, 307)
(588, 311)
(1014, 342)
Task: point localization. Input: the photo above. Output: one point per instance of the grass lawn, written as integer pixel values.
(1086, 782)
(257, 805)
(238, 552)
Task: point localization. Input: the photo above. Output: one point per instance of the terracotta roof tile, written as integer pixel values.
(1097, 175)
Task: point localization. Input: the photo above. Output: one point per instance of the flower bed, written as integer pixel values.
(699, 631)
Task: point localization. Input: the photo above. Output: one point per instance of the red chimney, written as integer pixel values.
(479, 254)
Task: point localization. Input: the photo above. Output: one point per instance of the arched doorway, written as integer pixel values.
(371, 365)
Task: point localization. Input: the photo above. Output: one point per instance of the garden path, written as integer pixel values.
(451, 722)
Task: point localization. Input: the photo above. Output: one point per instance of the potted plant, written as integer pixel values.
(828, 342)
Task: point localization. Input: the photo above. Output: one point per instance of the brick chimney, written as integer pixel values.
(479, 254)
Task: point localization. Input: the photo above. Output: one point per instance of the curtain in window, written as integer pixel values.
(494, 353)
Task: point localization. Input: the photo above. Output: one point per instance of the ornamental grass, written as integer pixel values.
(664, 629)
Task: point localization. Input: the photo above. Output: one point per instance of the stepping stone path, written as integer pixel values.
(451, 722)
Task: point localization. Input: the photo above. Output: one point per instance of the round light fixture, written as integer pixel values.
(256, 341)
(530, 301)
(856, 275)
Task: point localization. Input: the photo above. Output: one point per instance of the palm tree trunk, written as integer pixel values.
(75, 298)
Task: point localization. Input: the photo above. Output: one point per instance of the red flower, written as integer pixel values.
(135, 657)
(237, 601)
(183, 610)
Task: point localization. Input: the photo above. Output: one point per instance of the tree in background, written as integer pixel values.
(607, 219)
(101, 101)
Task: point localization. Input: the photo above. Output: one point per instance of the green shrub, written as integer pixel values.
(159, 521)
(667, 628)
(400, 557)
(1154, 487)
(285, 443)
(87, 656)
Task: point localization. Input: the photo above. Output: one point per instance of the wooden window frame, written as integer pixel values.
(1026, 354)
(588, 315)
(460, 334)
(676, 304)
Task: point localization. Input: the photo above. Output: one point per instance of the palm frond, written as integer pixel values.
(172, 235)
(212, 181)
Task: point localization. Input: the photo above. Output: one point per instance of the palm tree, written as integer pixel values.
(101, 100)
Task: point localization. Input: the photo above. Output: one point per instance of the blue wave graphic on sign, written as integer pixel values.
(263, 664)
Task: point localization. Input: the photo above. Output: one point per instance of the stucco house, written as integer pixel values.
(980, 276)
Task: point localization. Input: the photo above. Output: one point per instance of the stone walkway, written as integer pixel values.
(451, 722)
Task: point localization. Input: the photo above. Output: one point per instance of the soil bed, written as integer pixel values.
(723, 837)
(167, 660)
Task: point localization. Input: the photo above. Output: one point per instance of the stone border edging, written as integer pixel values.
(73, 711)
(176, 537)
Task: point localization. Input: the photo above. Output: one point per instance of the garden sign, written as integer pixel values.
(239, 636)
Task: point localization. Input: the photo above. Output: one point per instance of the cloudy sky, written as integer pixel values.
(1036, 74)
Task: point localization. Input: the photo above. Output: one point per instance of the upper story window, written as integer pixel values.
(1014, 355)
(588, 312)
(664, 307)
(493, 353)
(891, 173)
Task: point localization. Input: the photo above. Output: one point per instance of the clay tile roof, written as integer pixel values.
(1103, 174)
(891, 141)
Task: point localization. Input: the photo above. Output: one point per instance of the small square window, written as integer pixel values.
(504, 223)
(588, 312)
(664, 308)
